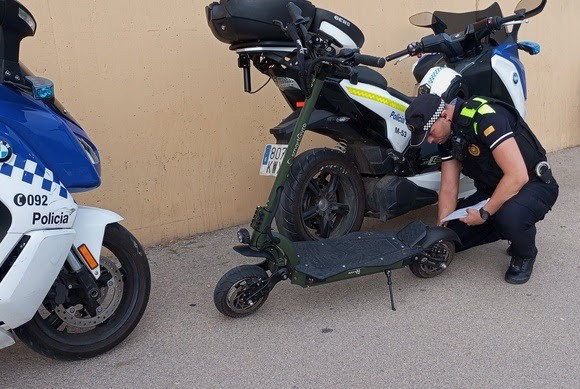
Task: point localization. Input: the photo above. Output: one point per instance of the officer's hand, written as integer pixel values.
(473, 218)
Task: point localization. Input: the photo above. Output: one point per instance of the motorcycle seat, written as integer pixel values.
(369, 76)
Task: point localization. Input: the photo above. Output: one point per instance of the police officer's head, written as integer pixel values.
(429, 119)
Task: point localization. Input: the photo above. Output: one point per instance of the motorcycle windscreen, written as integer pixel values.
(457, 22)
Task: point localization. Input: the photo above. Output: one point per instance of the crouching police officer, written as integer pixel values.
(489, 142)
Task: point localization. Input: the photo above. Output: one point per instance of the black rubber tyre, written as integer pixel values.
(47, 335)
(323, 197)
(233, 285)
(425, 271)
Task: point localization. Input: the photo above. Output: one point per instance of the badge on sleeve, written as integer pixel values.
(5, 151)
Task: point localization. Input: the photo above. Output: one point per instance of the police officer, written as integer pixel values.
(489, 142)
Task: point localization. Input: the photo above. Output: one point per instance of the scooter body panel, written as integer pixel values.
(29, 279)
(388, 107)
(510, 70)
(432, 181)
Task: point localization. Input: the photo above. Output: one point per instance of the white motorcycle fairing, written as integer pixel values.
(385, 105)
(90, 227)
(30, 277)
(41, 223)
(393, 110)
(508, 74)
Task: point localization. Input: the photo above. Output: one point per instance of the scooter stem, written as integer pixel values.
(263, 217)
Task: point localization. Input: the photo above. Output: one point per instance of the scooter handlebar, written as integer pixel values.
(295, 13)
(369, 60)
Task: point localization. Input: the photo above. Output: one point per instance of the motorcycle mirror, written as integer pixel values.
(530, 7)
(423, 19)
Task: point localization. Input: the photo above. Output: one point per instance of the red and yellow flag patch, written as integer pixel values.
(489, 130)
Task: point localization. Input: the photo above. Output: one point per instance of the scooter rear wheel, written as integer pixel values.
(447, 249)
(233, 289)
(68, 331)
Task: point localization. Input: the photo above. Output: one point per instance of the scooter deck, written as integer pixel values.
(326, 258)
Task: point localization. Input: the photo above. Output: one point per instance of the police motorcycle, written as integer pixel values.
(244, 289)
(371, 171)
(482, 60)
(73, 282)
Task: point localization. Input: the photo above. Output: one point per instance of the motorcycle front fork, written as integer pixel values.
(83, 274)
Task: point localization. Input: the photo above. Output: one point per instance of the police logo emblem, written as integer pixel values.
(474, 150)
(5, 151)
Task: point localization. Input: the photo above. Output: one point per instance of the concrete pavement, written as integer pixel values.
(465, 328)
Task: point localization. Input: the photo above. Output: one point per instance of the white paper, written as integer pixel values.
(461, 213)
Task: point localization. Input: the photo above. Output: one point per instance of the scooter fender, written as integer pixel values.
(90, 227)
(437, 234)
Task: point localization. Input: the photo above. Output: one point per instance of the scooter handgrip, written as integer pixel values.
(397, 55)
(369, 60)
(295, 12)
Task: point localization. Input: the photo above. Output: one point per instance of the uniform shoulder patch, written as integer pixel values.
(488, 131)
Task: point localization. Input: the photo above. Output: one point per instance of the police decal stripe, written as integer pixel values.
(32, 173)
(376, 97)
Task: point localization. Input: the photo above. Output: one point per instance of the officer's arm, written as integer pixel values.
(450, 171)
(515, 174)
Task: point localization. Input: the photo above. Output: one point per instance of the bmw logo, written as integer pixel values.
(516, 78)
(5, 151)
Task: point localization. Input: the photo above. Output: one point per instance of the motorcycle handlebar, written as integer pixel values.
(369, 60)
(398, 54)
(295, 12)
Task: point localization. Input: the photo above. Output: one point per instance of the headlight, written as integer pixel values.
(91, 155)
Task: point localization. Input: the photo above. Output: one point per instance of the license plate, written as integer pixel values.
(272, 159)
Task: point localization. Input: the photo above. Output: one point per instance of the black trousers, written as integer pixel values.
(514, 221)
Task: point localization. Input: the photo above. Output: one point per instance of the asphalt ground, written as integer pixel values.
(466, 328)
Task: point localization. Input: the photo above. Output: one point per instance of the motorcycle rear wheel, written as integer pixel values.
(323, 197)
(69, 333)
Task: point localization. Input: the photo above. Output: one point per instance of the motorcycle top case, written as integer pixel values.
(238, 21)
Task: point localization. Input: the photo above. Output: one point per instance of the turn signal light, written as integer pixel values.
(88, 257)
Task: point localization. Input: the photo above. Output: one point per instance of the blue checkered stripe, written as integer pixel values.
(32, 173)
(434, 74)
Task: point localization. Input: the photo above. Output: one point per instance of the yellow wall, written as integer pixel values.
(179, 139)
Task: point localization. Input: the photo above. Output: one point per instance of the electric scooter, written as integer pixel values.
(426, 250)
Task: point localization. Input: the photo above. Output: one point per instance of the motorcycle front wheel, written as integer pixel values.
(68, 331)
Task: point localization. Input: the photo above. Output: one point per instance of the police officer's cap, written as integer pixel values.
(421, 115)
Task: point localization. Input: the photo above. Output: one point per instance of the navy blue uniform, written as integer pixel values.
(490, 126)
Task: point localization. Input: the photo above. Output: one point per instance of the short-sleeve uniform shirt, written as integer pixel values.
(488, 132)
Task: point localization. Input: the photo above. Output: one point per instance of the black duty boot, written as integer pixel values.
(520, 270)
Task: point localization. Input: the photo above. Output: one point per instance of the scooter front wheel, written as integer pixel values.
(239, 292)
(68, 331)
(443, 250)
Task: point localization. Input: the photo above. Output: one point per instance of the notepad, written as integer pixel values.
(461, 213)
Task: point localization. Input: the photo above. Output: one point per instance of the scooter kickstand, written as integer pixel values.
(390, 283)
